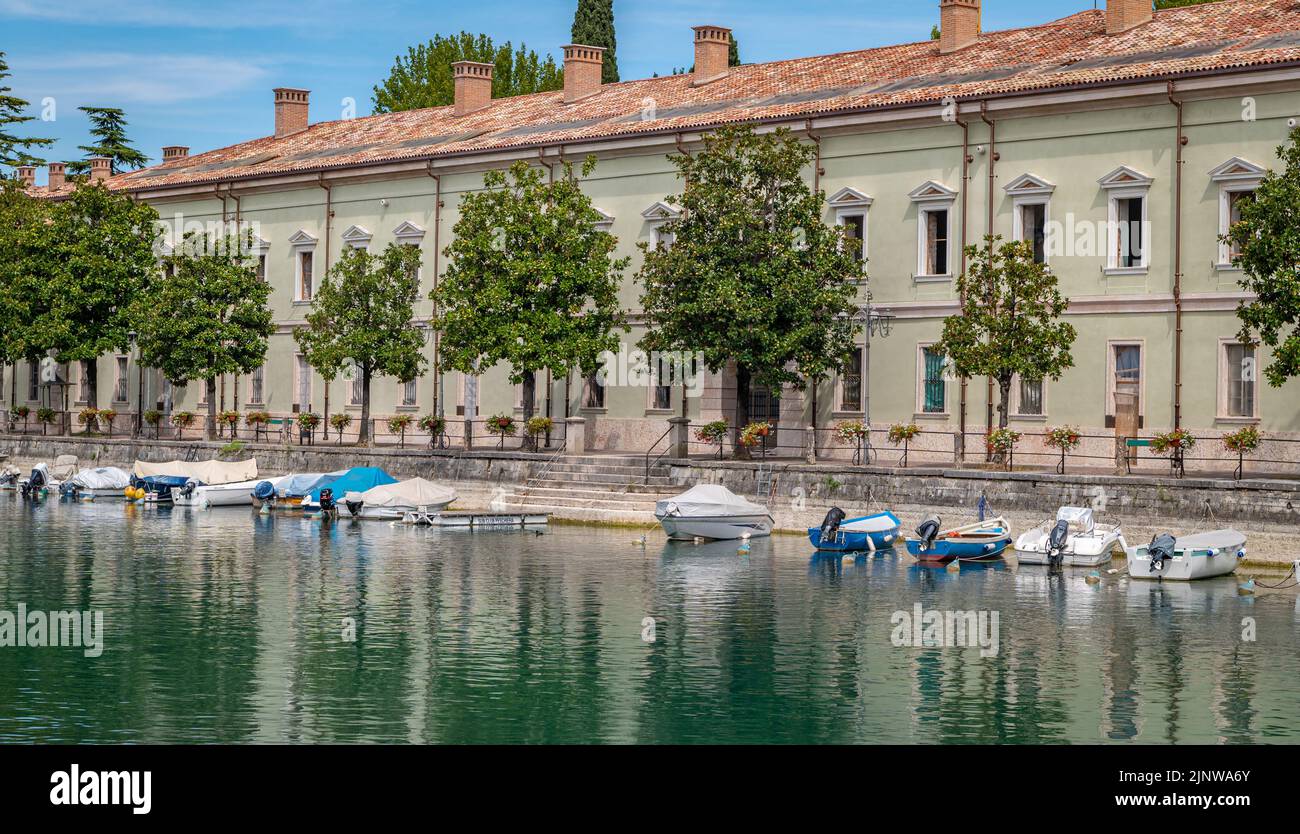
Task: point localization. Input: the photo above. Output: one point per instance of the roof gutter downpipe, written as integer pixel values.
(817, 186)
(437, 237)
(1180, 141)
(965, 195)
(329, 217)
(993, 161)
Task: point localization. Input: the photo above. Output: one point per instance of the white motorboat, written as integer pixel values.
(710, 511)
(9, 477)
(194, 494)
(1198, 556)
(101, 482)
(393, 501)
(1074, 538)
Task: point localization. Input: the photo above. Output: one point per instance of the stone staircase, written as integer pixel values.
(594, 488)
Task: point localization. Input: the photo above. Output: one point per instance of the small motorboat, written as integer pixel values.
(38, 484)
(865, 533)
(392, 502)
(195, 494)
(711, 511)
(101, 482)
(9, 477)
(356, 480)
(1074, 538)
(978, 541)
(158, 488)
(1198, 556)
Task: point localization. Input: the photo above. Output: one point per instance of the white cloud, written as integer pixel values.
(196, 14)
(123, 78)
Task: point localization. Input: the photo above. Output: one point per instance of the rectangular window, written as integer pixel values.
(460, 398)
(256, 381)
(355, 392)
(851, 382)
(663, 373)
(1239, 376)
(414, 272)
(305, 275)
(1124, 389)
(33, 381)
(261, 268)
(120, 379)
(1030, 392)
(1130, 244)
(855, 229)
(935, 252)
(301, 384)
(595, 393)
(1236, 200)
(934, 399)
(1033, 228)
(83, 381)
(408, 393)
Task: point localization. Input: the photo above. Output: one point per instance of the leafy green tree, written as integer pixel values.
(422, 77)
(1170, 4)
(364, 312)
(207, 317)
(593, 25)
(22, 270)
(1268, 241)
(753, 274)
(14, 150)
(108, 130)
(1010, 322)
(98, 256)
(531, 280)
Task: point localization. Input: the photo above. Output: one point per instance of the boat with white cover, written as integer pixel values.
(711, 511)
(393, 501)
(1198, 556)
(101, 482)
(195, 494)
(1073, 538)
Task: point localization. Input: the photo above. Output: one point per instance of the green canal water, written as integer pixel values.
(226, 626)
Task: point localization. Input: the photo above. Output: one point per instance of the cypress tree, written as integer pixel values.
(593, 25)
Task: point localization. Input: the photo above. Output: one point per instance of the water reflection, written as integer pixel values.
(227, 625)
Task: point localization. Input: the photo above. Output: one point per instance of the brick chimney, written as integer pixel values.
(1122, 15)
(290, 111)
(959, 24)
(473, 82)
(100, 168)
(27, 175)
(57, 178)
(712, 51)
(582, 66)
(174, 152)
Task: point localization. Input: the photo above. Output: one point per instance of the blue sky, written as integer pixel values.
(200, 72)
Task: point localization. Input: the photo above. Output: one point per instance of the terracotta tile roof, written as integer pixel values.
(1072, 51)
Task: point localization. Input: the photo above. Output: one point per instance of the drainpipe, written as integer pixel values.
(994, 156)
(329, 217)
(1180, 141)
(966, 160)
(239, 219)
(437, 229)
(818, 171)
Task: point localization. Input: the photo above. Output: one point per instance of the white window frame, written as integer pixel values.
(1141, 345)
(1030, 190)
(301, 367)
(409, 234)
(850, 202)
(1125, 183)
(357, 237)
(930, 197)
(655, 217)
(413, 386)
(604, 221)
(1235, 176)
(302, 242)
(1222, 414)
(839, 408)
(921, 413)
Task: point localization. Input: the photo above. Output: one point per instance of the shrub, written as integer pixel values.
(308, 420)
(183, 419)
(340, 421)
(232, 448)
(230, 418)
(538, 425)
(399, 424)
(850, 430)
(712, 432)
(153, 416)
(433, 424)
(1003, 440)
(89, 417)
(20, 411)
(903, 432)
(257, 418)
(45, 415)
(753, 434)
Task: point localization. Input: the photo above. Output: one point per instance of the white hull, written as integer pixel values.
(717, 527)
(1085, 550)
(220, 495)
(1201, 556)
(393, 513)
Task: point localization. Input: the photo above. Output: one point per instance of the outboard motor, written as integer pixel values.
(1160, 551)
(37, 480)
(354, 505)
(188, 489)
(327, 505)
(928, 532)
(25, 489)
(68, 489)
(1056, 541)
(831, 525)
(264, 491)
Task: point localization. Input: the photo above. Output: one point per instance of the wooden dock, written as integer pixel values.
(478, 518)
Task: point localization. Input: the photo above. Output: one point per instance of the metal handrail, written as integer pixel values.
(546, 467)
(659, 457)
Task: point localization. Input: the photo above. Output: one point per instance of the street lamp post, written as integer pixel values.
(879, 323)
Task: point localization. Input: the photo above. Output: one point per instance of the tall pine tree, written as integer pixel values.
(108, 129)
(13, 150)
(593, 25)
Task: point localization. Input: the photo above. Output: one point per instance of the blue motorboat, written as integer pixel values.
(358, 479)
(867, 533)
(158, 488)
(979, 541)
